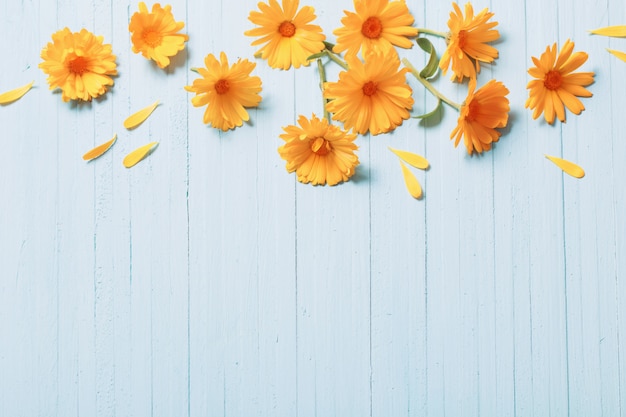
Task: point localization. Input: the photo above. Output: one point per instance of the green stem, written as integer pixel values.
(432, 32)
(322, 71)
(429, 86)
(335, 58)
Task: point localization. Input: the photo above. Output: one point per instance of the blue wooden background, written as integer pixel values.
(206, 281)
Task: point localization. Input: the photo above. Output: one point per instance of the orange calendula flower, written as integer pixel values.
(467, 42)
(287, 35)
(482, 112)
(155, 34)
(226, 91)
(79, 64)
(319, 152)
(377, 26)
(372, 96)
(555, 85)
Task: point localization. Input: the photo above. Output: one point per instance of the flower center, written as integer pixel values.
(473, 109)
(222, 86)
(287, 29)
(372, 28)
(369, 88)
(462, 38)
(151, 37)
(553, 80)
(78, 65)
(320, 146)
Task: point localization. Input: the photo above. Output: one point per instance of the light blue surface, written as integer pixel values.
(206, 281)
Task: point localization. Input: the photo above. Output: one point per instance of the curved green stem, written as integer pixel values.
(429, 86)
(322, 71)
(336, 59)
(432, 32)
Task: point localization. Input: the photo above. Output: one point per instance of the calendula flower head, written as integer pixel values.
(556, 85)
(155, 34)
(467, 42)
(319, 152)
(287, 35)
(79, 64)
(372, 95)
(482, 112)
(377, 26)
(226, 91)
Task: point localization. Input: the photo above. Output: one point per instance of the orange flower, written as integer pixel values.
(467, 42)
(226, 91)
(79, 64)
(155, 34)
(555, 84)
(376, 26)
(372, 96)
(287, 33)
(482, 112)
(319, 152)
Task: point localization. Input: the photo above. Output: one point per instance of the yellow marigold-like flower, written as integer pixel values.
(226, 90)
(319, 152)
(467, 42)
(555, 84)
(372, 96)
(376, 26)
(79, 64)
(288, 36)
(155, 34)
(482, 112)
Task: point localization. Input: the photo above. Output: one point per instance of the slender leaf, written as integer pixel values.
(567, 166)
(316, 56)
(430, 113)
(433, 61)
(412, 159)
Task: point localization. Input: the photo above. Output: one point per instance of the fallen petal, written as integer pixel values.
(138, 154)
(138, 118)
(411, 182)
(619, 54)
(614, 31)
(412, 159)
(567, 166)
(99, 150)
(11, 96)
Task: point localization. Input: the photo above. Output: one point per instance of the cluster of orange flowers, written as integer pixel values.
(371, 95)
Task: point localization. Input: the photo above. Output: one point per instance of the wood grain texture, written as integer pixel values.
(206, 281)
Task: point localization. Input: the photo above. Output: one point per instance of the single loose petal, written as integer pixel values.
(99, 150)
(13, 95)
(414, 187)
(619, 54)
(614, 31)
(138, 118)
(567, 166)
(138, 154)
(412, 159)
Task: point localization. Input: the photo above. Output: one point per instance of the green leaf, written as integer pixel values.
(433, 62)
(329, 45)
(430, 113)
(317, 55)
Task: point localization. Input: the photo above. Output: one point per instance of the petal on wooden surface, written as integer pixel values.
(614, 31)
(139, 117)
(414, 187)
(15, 94)
(138, 154)
(412, 159)
(621, 55)
(567, 166)
(99, 150)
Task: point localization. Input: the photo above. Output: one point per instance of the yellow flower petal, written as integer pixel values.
(138, 118)
(138, 154)
(99, 150)
(411, 182)
(567, 166)
(412, 159)
(619, 54)
(11, 96)
(614, 31)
